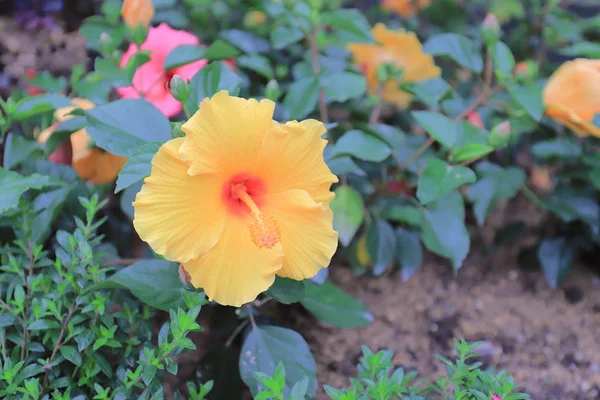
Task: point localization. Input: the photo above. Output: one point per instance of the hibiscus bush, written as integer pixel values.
(227, 154)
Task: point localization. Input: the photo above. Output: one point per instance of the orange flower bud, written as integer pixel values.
(540, 179)
(136, 12)
(184, 277)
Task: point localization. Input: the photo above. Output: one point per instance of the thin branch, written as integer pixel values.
(121, 261)
(62, 332)
(376, 112)
(236, 332)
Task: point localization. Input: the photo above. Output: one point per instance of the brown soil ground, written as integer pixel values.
(548, 339)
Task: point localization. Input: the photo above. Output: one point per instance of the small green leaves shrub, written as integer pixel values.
(378, 379)
(65, 338)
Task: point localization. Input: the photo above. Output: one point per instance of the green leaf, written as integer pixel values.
(155, 282)
(299, 389)
(43, 324)
(48, 83)
(184, 54)
(138, 166)
(121, 127)
(283, 36)
(459, 48)
(211, 79)
(221, 50)
(556, 258)
(71, 354)
(504, 61)
(18, 149)
(286, 291)
(560, 147)
(381, 244)
(246, 41)
(47, 207)
(444, 231)
(582, 49)
(128, 197)
(350, 24)
(329, 304)
(439, 179)
(439, 127)
(571, 204)
(30, 106)
(362, 146)
(343, 86)
(257, 63)
(345, 166)
(494, 183)
(432, 91)
(266, 346)
(118, 76)
(348, 214)
(302, 97)
(530, 98)
(471, 151)
(409, 252)
(13, 186)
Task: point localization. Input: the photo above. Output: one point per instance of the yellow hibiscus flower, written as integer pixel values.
(572, 95)
(240, 199)
(405, 8)
(403, 50)
(90, 163)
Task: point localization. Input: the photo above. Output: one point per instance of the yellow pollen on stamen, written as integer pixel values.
(264, 231)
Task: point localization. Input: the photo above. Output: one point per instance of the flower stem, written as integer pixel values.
(531, 196)
(376, 112)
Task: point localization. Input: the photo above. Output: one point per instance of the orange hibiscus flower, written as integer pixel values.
(403, 50)
(90, 162)
(240, 199)
(137, 12)
(572, 95)
(405, 8)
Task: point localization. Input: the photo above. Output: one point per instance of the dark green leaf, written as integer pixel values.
(530, 98)
(43, 324)
(13, 185)
(439, 178)
(381, 244)
(348, 214)
(571, 205)
(257, 63)
(504, 61)
(47, 207)
(30, 106)
(351, 25)
(286, 291)
(439, 127)
(329, 304)
(343, 86)
(155, 282)
(121, 127)
(18, 149)
(409, 252)
(128, 197)
(362, 146)
(212, 79)
(246, 41)
(302, 96)
(71, 354)
(221, 50)
(431, 91)
(266, 346)
(461, 49)
(583, 49)
(560, 147)
(48, 83)
(495, 183)
(283, 36)
(184, 54)
(444, 231)
(138, 166)
(555, 257)
(345, 166)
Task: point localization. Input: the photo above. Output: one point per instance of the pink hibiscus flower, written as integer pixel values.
(151, 78)
(496, 397)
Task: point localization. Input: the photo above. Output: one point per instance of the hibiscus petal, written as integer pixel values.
(235, 271)
(291, 157)
(307, 234)
(179, 215)
(225, 134)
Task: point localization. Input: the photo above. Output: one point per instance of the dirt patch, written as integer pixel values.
(548, 339)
